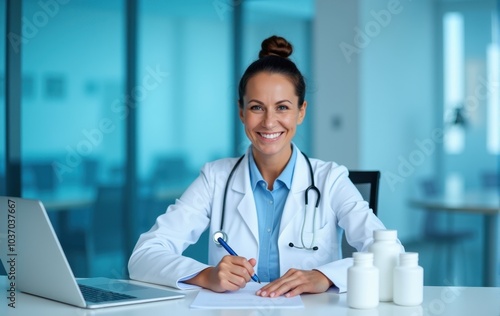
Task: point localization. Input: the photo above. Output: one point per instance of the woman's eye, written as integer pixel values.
(282, 108)
(255, 107)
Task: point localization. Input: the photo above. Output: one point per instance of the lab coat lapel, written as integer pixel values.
(246, 207)
(294, 204)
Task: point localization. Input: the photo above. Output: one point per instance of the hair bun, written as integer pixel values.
(277, 46)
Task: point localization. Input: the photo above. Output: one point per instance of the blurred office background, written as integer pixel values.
(121, 102)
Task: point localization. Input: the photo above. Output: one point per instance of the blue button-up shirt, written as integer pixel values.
(270, 206)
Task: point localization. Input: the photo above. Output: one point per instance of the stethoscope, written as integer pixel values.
(221, 234)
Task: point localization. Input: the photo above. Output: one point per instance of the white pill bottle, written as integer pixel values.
(408, 280)
(386, 250)
(362, 282)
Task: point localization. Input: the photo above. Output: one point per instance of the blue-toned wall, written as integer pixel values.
(397, 108)
(374, 101)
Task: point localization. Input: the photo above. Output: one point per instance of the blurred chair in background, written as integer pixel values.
(102, 242)
(90, 172)
(3, 185)
(113, 174)
(444, 240)
(168, 179)
(170, 171)
(41, 175)
(105, 243)
(490, 180)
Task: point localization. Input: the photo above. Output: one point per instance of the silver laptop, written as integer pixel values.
(30, 251)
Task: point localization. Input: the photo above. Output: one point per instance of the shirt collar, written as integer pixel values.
(285, 177)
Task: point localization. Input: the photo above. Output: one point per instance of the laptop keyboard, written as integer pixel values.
(96, 295)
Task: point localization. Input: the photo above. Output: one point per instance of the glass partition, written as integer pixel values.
(471, 108)
(2, 98)
(469, 155)
(73, 126)
(2, 106)
(185, 118)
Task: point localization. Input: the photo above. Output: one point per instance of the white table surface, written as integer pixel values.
(456, 301)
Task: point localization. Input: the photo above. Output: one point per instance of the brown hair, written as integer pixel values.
(273, 58)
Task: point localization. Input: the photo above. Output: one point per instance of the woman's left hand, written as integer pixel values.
(295, 282)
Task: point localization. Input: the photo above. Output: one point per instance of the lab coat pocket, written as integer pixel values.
(319, 237)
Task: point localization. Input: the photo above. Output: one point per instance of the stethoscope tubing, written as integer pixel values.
(221, 234)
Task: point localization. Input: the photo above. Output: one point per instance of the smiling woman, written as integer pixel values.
(271, 101)
(264, 197)
(270, 114)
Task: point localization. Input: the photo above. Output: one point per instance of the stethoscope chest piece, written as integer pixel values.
(219, 234)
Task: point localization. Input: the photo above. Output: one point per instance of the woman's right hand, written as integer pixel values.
(231, 274)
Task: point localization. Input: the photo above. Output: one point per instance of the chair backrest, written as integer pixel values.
(367, 182)
(431, 222)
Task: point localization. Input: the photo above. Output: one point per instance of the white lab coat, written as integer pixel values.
(157, 256)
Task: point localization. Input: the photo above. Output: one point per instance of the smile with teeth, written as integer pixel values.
(270, 136)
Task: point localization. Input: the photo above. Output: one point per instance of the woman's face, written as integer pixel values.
(271, 113)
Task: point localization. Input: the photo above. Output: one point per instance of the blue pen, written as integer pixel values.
(232, 253)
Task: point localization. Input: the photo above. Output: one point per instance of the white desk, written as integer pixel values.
(441, 301)
(486, 204)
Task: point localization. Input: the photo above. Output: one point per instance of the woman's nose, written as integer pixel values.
(269, 119)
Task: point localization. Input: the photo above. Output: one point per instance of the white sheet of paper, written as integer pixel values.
(243, 299)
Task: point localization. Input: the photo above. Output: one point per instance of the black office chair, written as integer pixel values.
(367, 182)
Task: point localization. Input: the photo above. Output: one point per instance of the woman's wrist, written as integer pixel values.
(201, 279)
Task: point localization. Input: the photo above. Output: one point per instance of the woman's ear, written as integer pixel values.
(240, 111)
(302, 113)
